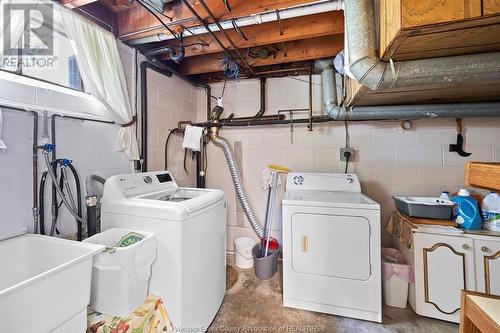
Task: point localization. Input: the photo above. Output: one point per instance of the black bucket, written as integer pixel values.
(265, 267)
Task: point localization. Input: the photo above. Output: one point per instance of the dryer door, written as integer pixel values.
(331, 245)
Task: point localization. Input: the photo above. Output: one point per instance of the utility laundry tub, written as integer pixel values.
(44, 284)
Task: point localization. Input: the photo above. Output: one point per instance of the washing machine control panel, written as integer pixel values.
(140, 183)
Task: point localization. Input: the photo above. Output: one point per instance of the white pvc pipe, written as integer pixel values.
(322, 6)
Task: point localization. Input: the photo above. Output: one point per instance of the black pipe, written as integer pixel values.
(201, 177)
(54, 203)
(200, 172)
(261, 122)
(85, 119)
(310, 126)
(165, 70)
(79, 233)
(41, 203)
(174, 55)
(91, 220)
(208, 89)
(262, 98)
(35, 208)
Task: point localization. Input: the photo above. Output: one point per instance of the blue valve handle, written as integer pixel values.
(47, 147)
(65, 162)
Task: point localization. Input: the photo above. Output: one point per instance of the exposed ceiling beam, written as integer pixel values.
(303, 27)
(298, 50)
(76, 3)
(137, 22)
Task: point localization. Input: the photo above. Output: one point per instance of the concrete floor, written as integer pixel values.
(252, 305)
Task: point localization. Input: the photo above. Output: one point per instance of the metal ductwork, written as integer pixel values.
(370, 71)
(159, 5)
(395, 112)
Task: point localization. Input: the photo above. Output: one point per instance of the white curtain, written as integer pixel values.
(99, 62)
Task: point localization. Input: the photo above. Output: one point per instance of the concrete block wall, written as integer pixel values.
(91, 146)
(169, 100)
(389, 160)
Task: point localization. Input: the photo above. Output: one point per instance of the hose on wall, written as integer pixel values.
(238, 183)
(69, 205)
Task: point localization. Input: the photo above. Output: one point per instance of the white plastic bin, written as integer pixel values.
(396, 276)
(243, 257)
(120, 275)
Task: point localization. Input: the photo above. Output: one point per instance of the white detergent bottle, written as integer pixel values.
(490, 208)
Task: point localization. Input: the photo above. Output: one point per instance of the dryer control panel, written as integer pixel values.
(323, 182)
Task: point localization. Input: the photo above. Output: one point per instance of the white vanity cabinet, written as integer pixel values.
(487, 259)
(445, 264)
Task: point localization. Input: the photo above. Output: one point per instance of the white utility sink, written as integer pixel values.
(44, 284)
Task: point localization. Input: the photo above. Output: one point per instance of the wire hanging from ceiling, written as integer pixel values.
(204, 43)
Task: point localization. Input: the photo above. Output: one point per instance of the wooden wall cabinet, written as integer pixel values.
(491, 7)
(421, 29)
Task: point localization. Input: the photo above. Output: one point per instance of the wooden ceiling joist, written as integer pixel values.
(303, 27)
(297, 50)
(136, 22)
(76, 3)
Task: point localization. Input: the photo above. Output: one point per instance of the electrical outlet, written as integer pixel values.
(348, 149)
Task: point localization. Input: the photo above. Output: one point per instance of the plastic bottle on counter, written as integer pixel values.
(445, 195)
(490, 211)
(466, 211)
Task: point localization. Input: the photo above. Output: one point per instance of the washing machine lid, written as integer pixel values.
(335, 199)
(179, 203)
(155, 195)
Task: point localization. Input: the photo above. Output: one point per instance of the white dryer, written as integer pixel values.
(331, 246)
(189, 273)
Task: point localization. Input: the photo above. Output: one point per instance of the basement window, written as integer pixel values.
(38, 49)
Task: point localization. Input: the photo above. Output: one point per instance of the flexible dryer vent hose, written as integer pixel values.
(238, 183)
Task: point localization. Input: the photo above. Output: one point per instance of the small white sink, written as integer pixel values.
(44, 283)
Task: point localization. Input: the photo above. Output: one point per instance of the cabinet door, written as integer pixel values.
(426, 12)
(491, 7)
(444, 266)
(487, 257)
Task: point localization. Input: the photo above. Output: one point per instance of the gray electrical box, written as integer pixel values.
(348, 149)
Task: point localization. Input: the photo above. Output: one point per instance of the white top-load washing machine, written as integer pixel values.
(189, 273)
(331, 246)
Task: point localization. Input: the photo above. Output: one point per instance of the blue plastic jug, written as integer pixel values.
(466, 211)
